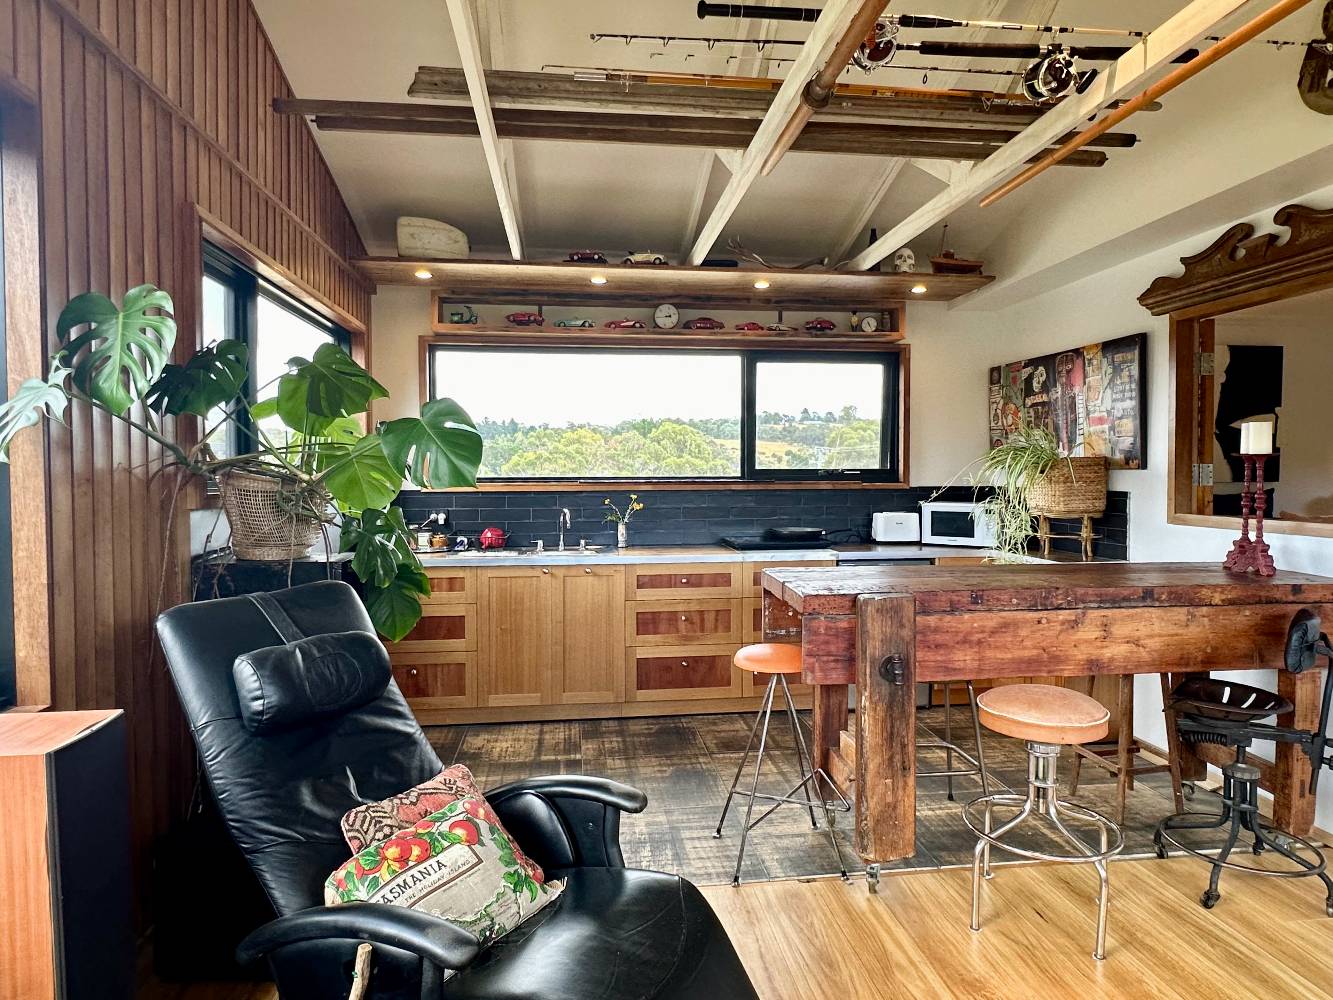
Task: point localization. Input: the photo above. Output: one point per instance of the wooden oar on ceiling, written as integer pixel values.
(1166, 84)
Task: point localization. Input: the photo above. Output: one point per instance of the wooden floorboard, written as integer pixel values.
(829, 940)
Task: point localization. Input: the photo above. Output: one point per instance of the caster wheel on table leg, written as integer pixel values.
(872, 878)
(1328, 906)
(1209, 899)
(1187, 789)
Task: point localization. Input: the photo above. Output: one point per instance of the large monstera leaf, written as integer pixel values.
(379, 542)
(395, 609)
(212, 377)
(363, 476)
(124, 349)
(325, 387)
(439, 449)
(33, 399)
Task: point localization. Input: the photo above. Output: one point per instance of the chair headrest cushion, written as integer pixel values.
(282, 687)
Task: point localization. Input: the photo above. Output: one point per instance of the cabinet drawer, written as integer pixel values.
(682, 580)
(668, 673)
(437, 680)
(754, 570)
(663, 623)
(451, 586)
(444, 628)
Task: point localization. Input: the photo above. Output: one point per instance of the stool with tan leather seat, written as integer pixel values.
(1046, 718)
(779, 661)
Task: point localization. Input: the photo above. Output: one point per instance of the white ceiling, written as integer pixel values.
(613, 196)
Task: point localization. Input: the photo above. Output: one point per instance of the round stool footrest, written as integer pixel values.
(1116, 839)
(1164, 833)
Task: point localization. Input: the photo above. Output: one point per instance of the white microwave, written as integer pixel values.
(947, 523)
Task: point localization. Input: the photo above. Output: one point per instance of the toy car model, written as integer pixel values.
(750, 326)
(704, 323)
(581, 323)
(586, 257)
(524, 319)
(780, 328)
(820, 325)
(624, 324)
(644, 257)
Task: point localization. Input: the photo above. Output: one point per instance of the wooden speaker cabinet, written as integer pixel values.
(65, 919)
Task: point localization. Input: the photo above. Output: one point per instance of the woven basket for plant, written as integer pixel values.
(1070, 492)
(266, 518)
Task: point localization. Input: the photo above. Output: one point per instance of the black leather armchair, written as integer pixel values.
(614, 933)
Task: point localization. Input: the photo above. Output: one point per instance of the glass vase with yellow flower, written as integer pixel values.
(621, 518)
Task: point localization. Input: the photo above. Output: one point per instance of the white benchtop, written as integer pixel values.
(643, 554)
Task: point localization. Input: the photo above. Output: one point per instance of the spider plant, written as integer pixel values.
(1010, 470)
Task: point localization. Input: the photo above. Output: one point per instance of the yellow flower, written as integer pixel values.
(607, 501)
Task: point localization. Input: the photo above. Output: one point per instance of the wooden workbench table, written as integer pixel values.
(886, 628)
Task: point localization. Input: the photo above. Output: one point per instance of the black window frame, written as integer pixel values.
(246, 287)
(891, 444)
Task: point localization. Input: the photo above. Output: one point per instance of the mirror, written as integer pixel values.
(1274, 362)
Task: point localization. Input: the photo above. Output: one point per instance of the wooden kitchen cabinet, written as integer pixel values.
(437, 680)
(517, 636)
(443, 628)
(451, 585)
(677, 581)
(591, 602)
(669, 623)
(674, 673)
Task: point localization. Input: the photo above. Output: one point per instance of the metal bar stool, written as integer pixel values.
(978, 763)
(1046, 718)
(778, 660)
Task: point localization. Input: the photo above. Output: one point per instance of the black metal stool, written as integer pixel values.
(1227, 714)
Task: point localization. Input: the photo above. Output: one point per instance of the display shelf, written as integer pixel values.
(489, 334)
(566, 283)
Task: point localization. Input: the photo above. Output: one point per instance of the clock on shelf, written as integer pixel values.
(666, 316)
(868, 324)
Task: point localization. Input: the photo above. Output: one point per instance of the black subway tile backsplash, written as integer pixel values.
(702, 516)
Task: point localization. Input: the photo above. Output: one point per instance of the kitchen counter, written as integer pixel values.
(610, 555)
(644, 554)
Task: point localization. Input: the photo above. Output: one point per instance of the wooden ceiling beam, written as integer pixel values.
(511, 122)
(1129, 73)
(497, 159)
(722, 141)
(510, 89)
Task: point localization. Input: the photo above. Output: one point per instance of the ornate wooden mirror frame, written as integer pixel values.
(1238, 271)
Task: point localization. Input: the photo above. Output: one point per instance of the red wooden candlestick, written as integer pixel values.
(1251, 554)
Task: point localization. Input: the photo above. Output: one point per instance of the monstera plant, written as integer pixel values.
(311, 457)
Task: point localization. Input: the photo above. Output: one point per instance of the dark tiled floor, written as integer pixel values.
(685, 764)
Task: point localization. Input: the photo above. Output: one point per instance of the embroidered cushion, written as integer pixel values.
(377, 821)
(456, 863)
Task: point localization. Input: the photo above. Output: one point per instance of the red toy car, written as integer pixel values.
(586, 257)
(704, 323)
(750, 327)
(820, 325)
(624, 324)
(525, 319)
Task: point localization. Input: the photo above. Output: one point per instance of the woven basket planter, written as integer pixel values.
(265, 522)
(1070, 492)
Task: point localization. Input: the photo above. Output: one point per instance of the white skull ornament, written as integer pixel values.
(904, 260)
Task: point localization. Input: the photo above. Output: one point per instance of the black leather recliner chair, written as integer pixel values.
(614, 933)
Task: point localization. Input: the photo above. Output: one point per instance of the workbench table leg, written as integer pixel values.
(885, 728)
(1293, 805)
(829, 710)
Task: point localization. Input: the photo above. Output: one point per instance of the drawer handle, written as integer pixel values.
(684, 579)
(412, 672)
(546, 571)
(684, 663)
(587, 569)
(683, 618)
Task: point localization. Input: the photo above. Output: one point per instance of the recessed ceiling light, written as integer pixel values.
(423, 274)
(918, 289)
(598, 279)
(761, 283)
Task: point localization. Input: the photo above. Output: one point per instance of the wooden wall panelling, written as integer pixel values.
(143, 109)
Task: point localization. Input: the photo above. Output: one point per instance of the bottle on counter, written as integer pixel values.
(422, 532)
